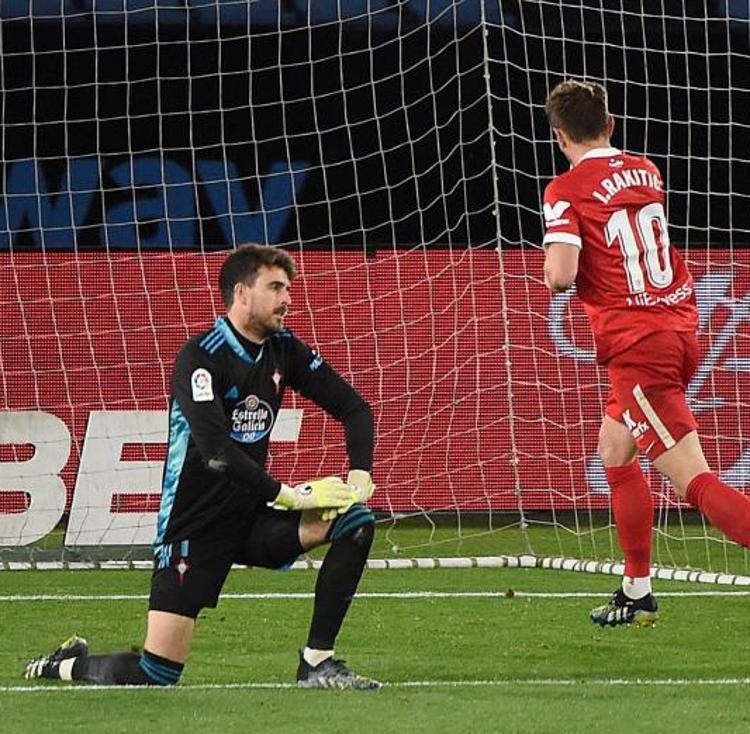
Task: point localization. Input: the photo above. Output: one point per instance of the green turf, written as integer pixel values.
(549, 663)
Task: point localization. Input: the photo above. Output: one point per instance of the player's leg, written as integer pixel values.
(688, 470)
(179, 590)
(632, 504)
(671, 441)
(350, 536)
(277, 538)
(633, 508)
(161, 662)
(653, 365)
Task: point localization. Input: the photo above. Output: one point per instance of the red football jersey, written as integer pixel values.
(630, 280)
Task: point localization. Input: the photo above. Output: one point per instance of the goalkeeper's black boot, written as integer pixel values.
(620, 609)
(49, 665)
(332, 674)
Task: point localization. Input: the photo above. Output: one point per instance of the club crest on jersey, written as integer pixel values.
(201, 386)
(252, 420)
(553, 214)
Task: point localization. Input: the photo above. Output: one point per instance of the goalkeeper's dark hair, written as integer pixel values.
(579, 109)
(242, 266)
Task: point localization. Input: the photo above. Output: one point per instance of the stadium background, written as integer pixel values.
(135, 144)
(369, 94)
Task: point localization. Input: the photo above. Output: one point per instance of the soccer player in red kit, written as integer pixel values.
(606, 231)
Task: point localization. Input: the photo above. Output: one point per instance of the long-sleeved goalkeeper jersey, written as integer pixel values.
(226, 396)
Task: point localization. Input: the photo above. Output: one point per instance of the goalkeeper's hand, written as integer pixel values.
(360, 481)
(328, 492)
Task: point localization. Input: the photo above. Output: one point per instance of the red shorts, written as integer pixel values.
(648, 383)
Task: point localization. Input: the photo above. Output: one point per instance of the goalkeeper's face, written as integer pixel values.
(265, 303)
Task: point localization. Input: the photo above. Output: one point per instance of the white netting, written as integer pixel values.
(390, 147)
(673, 77)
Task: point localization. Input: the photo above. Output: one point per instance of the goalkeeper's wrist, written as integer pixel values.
(286, 496)
(361, 481)
(359, 475)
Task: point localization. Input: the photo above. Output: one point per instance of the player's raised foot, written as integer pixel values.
(48, 666)
(332, 673)
(620, 609)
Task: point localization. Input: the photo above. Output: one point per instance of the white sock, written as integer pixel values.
(636, 587)
(66, 669)
(316, 657)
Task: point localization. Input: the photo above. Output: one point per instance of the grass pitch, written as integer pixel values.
(472, 657)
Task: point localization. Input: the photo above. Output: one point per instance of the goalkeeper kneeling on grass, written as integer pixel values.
(219, 506)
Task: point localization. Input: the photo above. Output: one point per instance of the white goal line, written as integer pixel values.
(507, 683)
(259, 596)
(555, 563)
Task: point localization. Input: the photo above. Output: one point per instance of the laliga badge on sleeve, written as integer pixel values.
(200, 382)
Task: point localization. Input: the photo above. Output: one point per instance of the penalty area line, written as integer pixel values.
(259, 596)
(502, 683)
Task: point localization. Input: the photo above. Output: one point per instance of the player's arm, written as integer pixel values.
(560, 266)
(562, 238)
(317, 380)
(341, 401)
(197, 389)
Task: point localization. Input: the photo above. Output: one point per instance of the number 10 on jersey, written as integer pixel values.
(645, 244)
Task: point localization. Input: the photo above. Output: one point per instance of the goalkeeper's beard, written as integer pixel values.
(268, 326)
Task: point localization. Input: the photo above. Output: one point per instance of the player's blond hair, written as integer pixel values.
(242, 266)
(579, 109)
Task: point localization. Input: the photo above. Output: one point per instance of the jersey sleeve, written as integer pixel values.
(561, 222)
(313, 377)
(197, 386)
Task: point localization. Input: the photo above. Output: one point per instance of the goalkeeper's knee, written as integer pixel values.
(357, 522)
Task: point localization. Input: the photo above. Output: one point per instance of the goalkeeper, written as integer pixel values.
(219, 506)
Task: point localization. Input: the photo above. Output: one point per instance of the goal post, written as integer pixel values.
(398, 152)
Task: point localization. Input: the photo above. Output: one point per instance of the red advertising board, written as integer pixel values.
(484, 390)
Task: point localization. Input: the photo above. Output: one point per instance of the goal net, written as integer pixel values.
(398, 151)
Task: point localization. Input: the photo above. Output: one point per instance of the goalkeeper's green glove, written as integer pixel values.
(328, 492)
(361, 483)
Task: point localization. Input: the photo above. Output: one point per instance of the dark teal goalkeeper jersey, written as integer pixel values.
(226, 396)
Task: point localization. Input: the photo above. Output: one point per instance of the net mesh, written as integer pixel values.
(399, 152)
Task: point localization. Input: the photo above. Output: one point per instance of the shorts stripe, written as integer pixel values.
(648, 410)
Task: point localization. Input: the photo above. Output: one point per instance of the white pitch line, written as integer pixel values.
(372, 595)
(534, 682)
